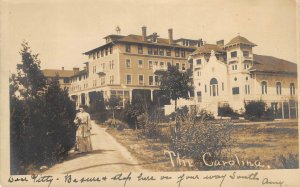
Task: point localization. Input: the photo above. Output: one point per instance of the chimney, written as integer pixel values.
(75, 70)
(170, 31)
(62, 68)
(220, 43)
(144, 33)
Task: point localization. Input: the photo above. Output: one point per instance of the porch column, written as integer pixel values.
(282, 109)
(130, 96)
(296, 108)
(289, 109)
(151, 95)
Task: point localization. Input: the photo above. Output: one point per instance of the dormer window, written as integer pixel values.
(233, 54)
(176, 53)
(198, 61)
(140, 49)
(245, 53)
(155, 51)
(127, 48)
(183, 54)
(161, 52)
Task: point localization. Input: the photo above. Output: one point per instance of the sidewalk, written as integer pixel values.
(107, 156)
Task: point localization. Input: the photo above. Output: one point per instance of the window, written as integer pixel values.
(150, 50)
(106, 51)
(111, 64)
(110, 50)
(247, 89)
(111, 79)
(246, 53)
(141, 79)
(140, 64)
(168, 64)
(222, 86)
(198, 61)
(246, 66)
(168, 52)
(183, 54)
(102, 80)
(151, 81)
(66, 80)
(161, 52)
(177, 65)
(102, 53)
(264, 87)
(94, 56)
(128, 79)
(162, 64)
(235, 66)
(213, 87)
(140, 49)
(150, 64)
(155, 51)
(176, 53)
(235, 90)
(156, 80)
(278, 88)
(98, 54)
(292, 89)
(128, 63)
(205, 88)
(199, 96)
(183, 67)
(127, 48)
(233, 54)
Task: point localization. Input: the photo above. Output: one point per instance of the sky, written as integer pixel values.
(61, 30)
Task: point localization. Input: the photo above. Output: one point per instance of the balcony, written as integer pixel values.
(101, 72)
(158, 68)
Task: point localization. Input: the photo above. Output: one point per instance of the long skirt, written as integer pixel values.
(83, 144)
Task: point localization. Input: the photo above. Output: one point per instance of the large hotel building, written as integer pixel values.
(223, 74)
(127, 63)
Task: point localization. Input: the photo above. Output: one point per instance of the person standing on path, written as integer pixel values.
(83, 132)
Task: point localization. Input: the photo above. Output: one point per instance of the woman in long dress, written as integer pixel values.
(83, 132)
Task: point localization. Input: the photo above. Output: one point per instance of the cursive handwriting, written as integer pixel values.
(42, 179)
(120, 177)
(267, 181)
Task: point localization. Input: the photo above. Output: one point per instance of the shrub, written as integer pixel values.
(254, 109)
(204, 115)
(196, 138)
(227, 111)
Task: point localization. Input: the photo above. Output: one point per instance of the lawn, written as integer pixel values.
(264, 141)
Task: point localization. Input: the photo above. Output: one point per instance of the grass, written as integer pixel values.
(271, 143)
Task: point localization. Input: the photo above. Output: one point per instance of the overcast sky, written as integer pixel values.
(60, 31)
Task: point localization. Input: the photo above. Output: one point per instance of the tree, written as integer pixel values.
(175, 84)
(30, 76)
(41, 116)
(112, 104)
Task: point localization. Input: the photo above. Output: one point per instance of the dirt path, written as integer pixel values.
(107, 156)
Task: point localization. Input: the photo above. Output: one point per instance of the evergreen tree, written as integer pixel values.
(41, 116)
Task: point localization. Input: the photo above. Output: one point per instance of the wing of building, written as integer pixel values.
(232, 74)
(125, 65)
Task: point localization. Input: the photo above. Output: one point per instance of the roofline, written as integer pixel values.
(272, 72)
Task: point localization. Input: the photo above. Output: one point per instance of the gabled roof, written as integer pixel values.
(269, 64)
(207, 48)
(240, 40)
(138, 39)
(61, 73)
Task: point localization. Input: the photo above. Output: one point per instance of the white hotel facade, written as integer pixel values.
(232, 74)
